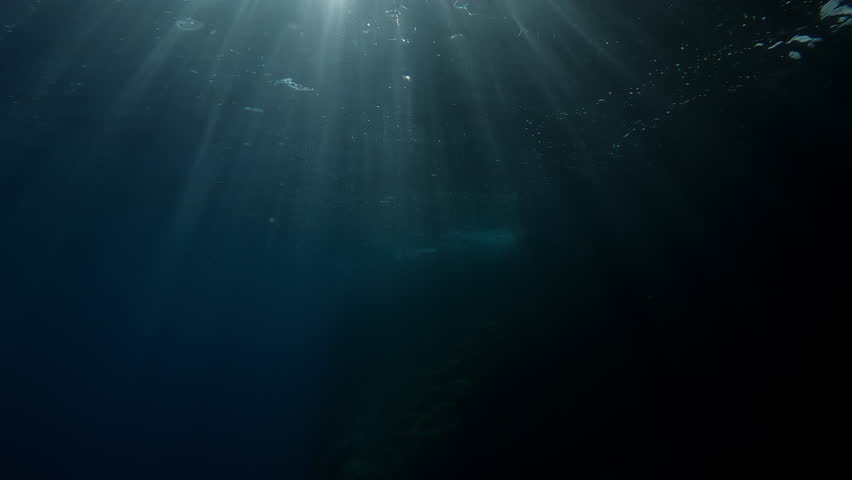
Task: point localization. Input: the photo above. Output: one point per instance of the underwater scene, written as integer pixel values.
(423, 239)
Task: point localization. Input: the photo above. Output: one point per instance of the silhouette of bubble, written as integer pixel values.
(189, 24)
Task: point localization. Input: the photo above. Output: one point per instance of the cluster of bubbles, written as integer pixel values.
(396, 11)
(698, 78)
(620, 119)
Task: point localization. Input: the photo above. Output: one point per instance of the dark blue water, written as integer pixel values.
(340, 239)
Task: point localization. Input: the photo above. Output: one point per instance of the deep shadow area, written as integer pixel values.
(695, 335)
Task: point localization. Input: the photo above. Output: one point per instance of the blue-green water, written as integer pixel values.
(420, 239)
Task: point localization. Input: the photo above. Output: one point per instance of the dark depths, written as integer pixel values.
(671, 310)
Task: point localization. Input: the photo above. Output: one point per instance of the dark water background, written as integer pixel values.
(194, 290)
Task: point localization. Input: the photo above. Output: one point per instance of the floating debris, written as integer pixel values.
(841, 14)
(795, 55)
(189, 24)
(292, 84)
(463, 5)
(253, 109)
(806, 39)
